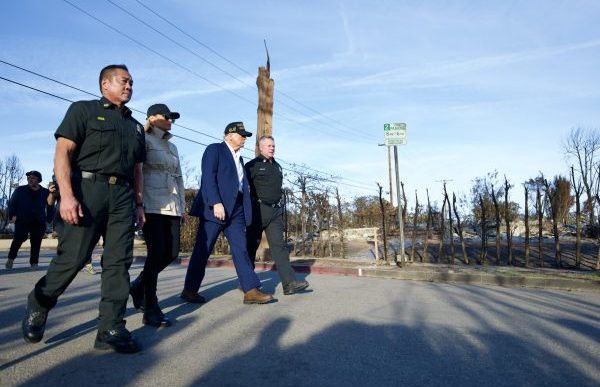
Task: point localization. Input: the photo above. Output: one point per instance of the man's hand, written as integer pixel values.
(184, 218)
(219, 211)
(13, 219)
(70, 210)
(140, 217)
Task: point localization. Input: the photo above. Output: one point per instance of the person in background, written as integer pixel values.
(266, 180)
(164, 198)
(223, 204)
(98, 160)
(29, 208)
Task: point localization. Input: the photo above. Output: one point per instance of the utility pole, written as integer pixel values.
(394, 135)
(389, 173)
(399, 201)
(264, 112)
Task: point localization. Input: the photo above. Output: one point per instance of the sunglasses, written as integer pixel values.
(169, 118)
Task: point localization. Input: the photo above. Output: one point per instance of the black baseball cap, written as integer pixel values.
(237, 127)
(161, 108)
(36, 174)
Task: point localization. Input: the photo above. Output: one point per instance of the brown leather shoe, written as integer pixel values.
(255, 296)
(192, 297)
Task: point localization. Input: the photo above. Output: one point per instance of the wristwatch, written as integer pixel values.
(137, 205)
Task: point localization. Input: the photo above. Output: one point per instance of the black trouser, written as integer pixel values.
(36, 232)
(107, 208)
(161, 233)
(270, 219)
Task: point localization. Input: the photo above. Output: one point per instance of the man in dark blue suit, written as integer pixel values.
(223, 204)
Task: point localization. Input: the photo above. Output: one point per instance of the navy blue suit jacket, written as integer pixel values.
(219, 184)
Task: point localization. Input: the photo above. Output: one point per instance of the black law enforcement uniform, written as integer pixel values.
(109, 144)
(266, 179)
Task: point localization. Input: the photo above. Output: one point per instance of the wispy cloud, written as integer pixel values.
(427, 75)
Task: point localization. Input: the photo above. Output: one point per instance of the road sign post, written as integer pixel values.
(394, 135)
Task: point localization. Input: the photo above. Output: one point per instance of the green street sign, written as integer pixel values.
(394, 134)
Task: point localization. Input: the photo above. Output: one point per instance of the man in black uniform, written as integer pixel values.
(98, 165)
(28, 210)
(266, 180)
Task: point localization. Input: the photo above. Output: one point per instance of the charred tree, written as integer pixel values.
(526, 225)
(507, 221)
(497, 218)
(540, 215)
(551, 194)
(383, 232)
(460, 230)
(441, 252)
(341, 225)
(413, 246)
(404, 209)
(427, 230)
(483, 255)
(450, 225)
(578, 188)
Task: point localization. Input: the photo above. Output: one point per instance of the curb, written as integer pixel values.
(448, 276)
(484, 279)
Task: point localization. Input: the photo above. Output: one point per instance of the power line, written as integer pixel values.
(356, 131)
(161, 55)
(158, 53)
(38, 90)
(184, 138)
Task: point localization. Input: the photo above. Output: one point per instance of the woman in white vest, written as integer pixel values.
(164, 206)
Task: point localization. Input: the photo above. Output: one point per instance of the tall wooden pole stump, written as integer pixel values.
(264, 127)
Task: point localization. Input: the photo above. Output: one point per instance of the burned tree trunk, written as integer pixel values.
(526, 225)
(264, 125)
(382, 209)
(483, 255)
(427, 230)
(414, 233)
(577, 187)
(497, 217)
(404, 209)
(341, 225)
(450, 225)
(442, 233)
(266, 87)
(460, 231)
(540, 216)
(507, 221)
(551, 194)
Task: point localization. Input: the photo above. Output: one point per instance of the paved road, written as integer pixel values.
(348, 331)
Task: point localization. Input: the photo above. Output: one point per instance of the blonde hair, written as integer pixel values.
(148, 125)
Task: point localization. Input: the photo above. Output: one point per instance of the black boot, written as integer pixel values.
(136, 289)
(34, 324)
(153, 316)
(119, 339)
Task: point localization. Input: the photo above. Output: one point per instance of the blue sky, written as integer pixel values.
(481, 85)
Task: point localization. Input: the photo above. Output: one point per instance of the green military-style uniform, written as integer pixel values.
(109, 144)
(266, 180)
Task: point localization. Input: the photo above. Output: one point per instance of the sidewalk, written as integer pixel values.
(567, 280)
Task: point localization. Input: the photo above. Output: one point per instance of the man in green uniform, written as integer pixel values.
(98, 164)
(266, 179)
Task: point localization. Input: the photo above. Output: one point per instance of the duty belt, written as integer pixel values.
(105, 178)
